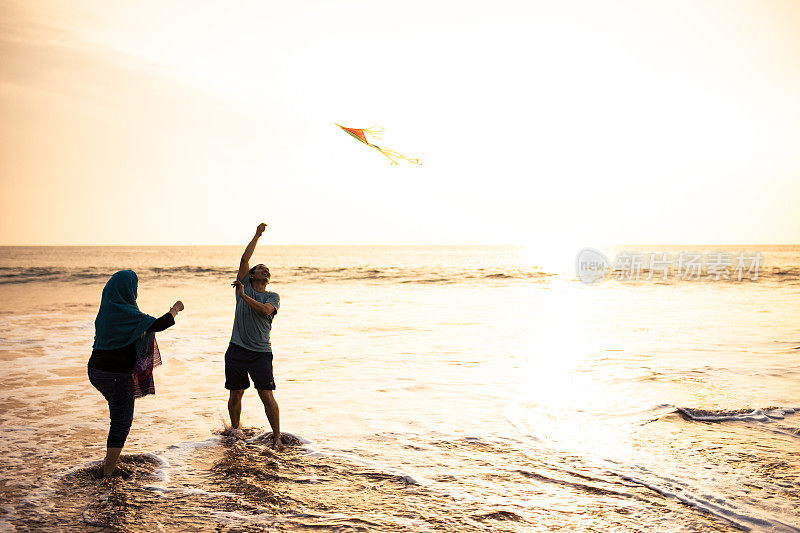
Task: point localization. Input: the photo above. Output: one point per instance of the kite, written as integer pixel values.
(360, 134)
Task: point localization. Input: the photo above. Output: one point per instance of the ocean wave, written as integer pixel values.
(585, 487)
(765, 419)
(766, 414)
(779, 275)
(739, 517)
(429, 275)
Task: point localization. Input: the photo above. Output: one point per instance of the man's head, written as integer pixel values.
(259, 273)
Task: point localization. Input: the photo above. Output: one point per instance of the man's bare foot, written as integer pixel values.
(237, 433)
(277, 445)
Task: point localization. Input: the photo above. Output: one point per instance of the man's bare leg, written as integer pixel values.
(273, 415)
(112, 456)
(235, 407)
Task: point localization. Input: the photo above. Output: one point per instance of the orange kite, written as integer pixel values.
(360, 134)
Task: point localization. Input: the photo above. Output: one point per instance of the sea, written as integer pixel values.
(421, 388)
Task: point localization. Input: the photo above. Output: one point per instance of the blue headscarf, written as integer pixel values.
(119, 321)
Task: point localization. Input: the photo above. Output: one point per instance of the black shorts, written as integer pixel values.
(239, 362)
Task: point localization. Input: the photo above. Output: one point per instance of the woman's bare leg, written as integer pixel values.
(112, 456)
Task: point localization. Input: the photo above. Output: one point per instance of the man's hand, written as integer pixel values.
(244, 262)
(265, 309)
(239, 288)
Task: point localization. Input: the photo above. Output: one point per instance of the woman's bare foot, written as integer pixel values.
(108, 471)
(110, 463)
(277, 445)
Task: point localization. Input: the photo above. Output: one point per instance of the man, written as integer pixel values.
(249, 351)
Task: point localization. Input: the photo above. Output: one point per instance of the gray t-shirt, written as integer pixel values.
(251, 330)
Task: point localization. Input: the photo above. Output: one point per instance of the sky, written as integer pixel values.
(537, 123)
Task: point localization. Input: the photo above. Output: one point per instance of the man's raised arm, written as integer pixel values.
(244, 263)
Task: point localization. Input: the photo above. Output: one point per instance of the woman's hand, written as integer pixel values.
(176, 308)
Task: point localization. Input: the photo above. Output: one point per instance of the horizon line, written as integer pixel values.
(605, 245)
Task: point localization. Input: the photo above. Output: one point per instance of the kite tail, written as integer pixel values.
(391, 154)
(374, 131)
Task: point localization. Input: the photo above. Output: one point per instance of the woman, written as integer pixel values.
(123, 356)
